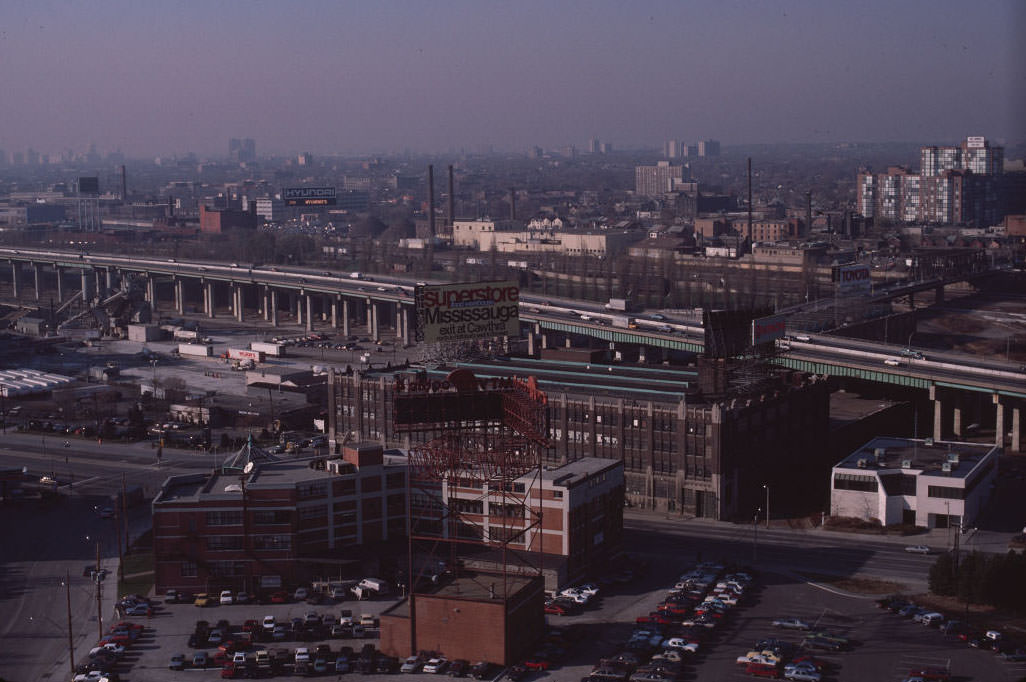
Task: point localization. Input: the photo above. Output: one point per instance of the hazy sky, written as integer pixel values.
(377, 76)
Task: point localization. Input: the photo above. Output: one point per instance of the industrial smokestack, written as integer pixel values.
(431, 199)
(512, 203)
(170, 207)
(452, 202)
(124, 185)
(808, 213)
(749, 199)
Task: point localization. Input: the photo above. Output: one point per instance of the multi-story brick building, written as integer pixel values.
(280, 522)
(699, 456)
(654, 181)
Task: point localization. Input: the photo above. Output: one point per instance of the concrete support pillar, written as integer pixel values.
(398, 320)
(60, 285)
(334, 312)
(239, 308)
(35, 279)
(266, 304)
(956, 416)
(179, 287)
(368, 309)
(85, 285)
(345, 317)
(309, 312)
(296, 307)
(568, 343)
(641, 354)
(405, 312)
(151, 292)
(210, 303)
(15, 269)
(1016, 428)
(99, 284)
(530, 343)
(109, 279)
(999, 421)
(544, 341)
(375, 316)
(274, 307)
(938, 418)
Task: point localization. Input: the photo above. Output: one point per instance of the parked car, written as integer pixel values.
(917, 549)
(791, 624)
(459, 668)
(177, 662)
(436, 665)
(481, 670)
(226, 597)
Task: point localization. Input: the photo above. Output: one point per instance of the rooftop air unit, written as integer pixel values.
(946, 467)
(906, 464)
(861, 464)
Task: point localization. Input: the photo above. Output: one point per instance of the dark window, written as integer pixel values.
(945, 492)
(843, 481)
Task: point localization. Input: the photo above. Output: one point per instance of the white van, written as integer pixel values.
(932, 619)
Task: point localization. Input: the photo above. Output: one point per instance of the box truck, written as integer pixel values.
(621, 304)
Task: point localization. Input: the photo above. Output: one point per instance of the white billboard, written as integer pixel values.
(467, 311)
(854, 279)
(975, 142)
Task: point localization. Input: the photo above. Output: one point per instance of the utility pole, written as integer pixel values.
(121, 556)
(71, 640)
(99, 594)
(124, 511)
(767, 505)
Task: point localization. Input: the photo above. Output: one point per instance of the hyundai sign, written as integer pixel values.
(853, 279)
(768, 329)
(463, 312)
(308, 196)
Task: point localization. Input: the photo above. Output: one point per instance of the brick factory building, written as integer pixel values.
(697, 456)
(284, 522)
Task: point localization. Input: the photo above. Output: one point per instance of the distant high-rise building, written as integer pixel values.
(673, 149)
(242, 150)
(708, 148)
(954, 185)
(594, 146)
(651, 181)
(304, 159)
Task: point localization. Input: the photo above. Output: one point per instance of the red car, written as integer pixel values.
(280, 598)
(654, 617)
(229, 671)
(762, 670)
(221, 658)
(539, 663)
(557, 609)
(250, 625)
(938, 674)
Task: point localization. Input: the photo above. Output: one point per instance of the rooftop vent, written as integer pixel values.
(946, 467)
(929, 442)
(880, 453)
(906, 464)
(953, 458)
(861, 464)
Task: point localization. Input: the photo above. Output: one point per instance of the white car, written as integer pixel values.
(791, 624)
(588, 588)
(91, 676)
(917, 549)
(681, 644)
(802, 675)
(302, 655)
(239, 658)
(226, 597)
(116, 649)
(436, 665)
(269, 622)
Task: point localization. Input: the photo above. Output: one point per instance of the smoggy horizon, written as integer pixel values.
(389, 77)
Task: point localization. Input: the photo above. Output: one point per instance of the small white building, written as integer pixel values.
(922, 482)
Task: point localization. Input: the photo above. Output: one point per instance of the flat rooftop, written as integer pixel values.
(578, 470)
(923, 455)
(469, 586)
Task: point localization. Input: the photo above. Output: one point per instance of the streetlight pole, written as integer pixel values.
(755, 535)
(766, 488)
(71, 640)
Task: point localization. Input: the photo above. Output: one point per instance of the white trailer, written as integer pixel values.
(245, 354)
(198, 349)
(275, 350)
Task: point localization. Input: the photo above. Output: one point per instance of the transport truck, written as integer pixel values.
(274, 350)
(245, 354)
(196, 349)
(621, 304)
(622, 321)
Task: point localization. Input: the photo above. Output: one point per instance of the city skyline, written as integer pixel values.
(389, 77)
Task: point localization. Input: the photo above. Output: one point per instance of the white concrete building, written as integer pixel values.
(900, 480)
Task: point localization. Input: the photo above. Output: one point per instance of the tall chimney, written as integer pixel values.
(170, 207)
(452, 202)
(808, 213)
(431, 199)
(124, 185)
(512, 203)
(749, 199)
